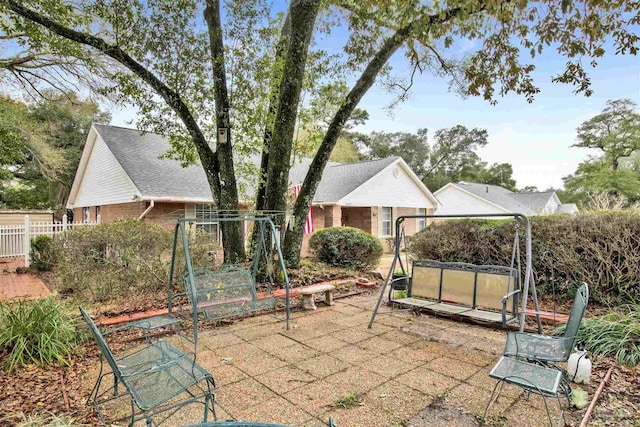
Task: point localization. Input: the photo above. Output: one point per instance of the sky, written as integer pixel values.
(535, 138)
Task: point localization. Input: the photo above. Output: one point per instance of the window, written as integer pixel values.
(420, 222)
(205, 211)
(86, 212)
(98, 213)
(386, 221)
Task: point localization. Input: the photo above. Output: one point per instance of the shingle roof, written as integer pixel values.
(338, 180)
(567, 208)
(139, 153)
(534, 200)
(497, 195)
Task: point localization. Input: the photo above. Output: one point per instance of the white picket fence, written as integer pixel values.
(15, 240)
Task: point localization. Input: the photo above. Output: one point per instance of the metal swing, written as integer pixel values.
(480, 293)
(218, 290)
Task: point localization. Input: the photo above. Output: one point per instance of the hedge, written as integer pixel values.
(602, 249)
(121, 259)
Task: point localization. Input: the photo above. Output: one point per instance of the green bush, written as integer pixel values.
(41, 253)
(346, 247)
(121, 259)
(600, 249)
(615, 334)
(39, 331)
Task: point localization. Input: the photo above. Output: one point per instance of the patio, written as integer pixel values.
(409, 370)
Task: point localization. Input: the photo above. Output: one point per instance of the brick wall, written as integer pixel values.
(359, 218)
(164, 214)
(332, 216)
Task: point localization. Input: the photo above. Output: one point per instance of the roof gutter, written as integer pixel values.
(146, 211)
(169, 199)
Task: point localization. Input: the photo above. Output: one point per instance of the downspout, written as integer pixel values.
(146, 211)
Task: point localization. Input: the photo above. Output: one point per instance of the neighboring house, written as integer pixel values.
(16, 217)
(120, 176)
(475, 198)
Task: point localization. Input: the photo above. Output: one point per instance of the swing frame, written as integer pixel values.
(180, 232)
(528, 282)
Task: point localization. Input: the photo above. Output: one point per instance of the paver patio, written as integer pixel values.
(410, 370)
(17, 286)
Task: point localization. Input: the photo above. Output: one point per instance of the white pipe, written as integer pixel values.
(146, 211)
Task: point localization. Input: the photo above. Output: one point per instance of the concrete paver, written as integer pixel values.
(15, 286)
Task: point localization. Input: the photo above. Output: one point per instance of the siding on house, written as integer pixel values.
(104, 181)
(391, 187)
(454, 201)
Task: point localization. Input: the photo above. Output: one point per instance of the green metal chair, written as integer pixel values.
(151, 376)
(546, 349)
(529, 360)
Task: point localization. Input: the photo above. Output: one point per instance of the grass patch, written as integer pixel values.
(350, 400)
(615, 334)
(39, 420)
(39, 331)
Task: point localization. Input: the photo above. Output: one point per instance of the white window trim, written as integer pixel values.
(382, 221)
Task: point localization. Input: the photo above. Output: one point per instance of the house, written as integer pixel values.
(475, 198)
(121, 176)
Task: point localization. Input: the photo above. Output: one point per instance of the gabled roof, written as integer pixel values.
(338, 180)
(534, 200)
(161, 178)
(497, 195)
(139, 156)
(532, 203)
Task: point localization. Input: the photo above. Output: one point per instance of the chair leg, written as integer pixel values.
(493, 399)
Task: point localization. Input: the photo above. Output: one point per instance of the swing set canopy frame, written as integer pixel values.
(517, 284)
(232, 291)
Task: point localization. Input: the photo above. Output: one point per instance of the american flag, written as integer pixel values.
(308, 226)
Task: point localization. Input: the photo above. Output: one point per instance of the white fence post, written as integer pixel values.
(99, 219)
(65, 220)
(27, 240)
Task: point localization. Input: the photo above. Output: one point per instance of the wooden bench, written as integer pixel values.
(484, 293)
(308, 295)
(153, 377)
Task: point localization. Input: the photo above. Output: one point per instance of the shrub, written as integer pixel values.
(41, 253)
(110, 260)
(39, 331)
(615, 334)
(346, 247)
(597, 248)
(121, 259)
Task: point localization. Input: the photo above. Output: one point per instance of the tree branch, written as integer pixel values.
(293, 238)
(172, 98)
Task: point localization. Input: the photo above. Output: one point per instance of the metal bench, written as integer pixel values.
(482, 293)
(151, 376)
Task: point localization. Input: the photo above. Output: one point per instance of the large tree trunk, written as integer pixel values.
(227, 188)
(293, 237)
(303, 16)
(274, 95)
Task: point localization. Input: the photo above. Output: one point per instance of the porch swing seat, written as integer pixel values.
(480, 293)
(227, 293)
